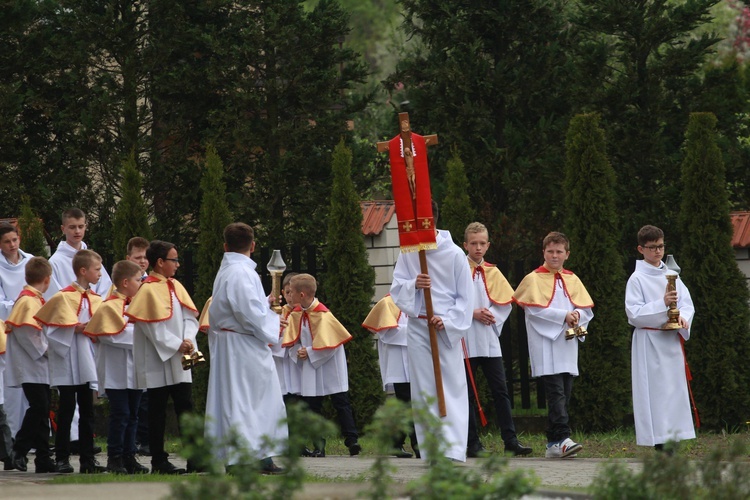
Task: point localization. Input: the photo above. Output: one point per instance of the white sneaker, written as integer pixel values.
(563, 449)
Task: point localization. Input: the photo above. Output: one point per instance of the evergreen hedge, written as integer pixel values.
(131, 214)
(601, 398)
(719, 345)
(457, 211)
(31, 229)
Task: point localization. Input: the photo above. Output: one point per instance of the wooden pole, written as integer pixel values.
(433, 339)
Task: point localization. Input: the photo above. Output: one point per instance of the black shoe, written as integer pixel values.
(64, 467)
(166, 467)
(518, 450)
(91, 466)
(44, 465)
(354, 449)
(97, 450)
(268, 468)
(18, 462)
(318, 453)
(476, 451)
(144, 450)
(115, 465)
(401, 453)
(133, 466)
(306, 452)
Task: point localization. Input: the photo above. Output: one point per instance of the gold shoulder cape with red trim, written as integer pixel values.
(65, 306)
(203, 320)
(153, 302)
(383, 316)
(326, 331)
(538, 288)
(3, 337)
(496, 285)
(27, 305)
(109, 318)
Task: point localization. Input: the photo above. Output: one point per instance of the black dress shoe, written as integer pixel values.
(18, 462)
(116, 465)
(64, 466)
(166, 467)
(354, 449)
(518, 449)
(476, 451)
(306, 452)
(133, 466)
(401, 453)
(44, 465)
(318, 453)
(268, 468)
(91, 467)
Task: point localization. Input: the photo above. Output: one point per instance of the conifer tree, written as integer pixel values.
(214, 217)
(457, 211)
(32, 231)
(349, 284)
(602, 395)
(131, 215)
(719, 343)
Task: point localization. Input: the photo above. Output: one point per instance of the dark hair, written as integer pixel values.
(7, 227)
(37, 268)
(239, 237)
(73, 213)
(84, 258)
(137, 242)
(556, 237)
(649, 233)
(158, 249)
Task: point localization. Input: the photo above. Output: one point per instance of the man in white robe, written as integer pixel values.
(244, 393)
(449, 280)
(661, 403)
(166, 324)
(13, 262)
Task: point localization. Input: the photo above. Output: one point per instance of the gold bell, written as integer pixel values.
(575, 332)
(189, 361)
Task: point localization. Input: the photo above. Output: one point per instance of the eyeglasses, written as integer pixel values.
(655, 248)
(176, 261)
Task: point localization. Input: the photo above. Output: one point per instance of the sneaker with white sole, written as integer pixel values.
(562, 449)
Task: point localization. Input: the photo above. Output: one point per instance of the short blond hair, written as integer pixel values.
(84, 259)
(304, 283)
(475, 227)
(124, 270)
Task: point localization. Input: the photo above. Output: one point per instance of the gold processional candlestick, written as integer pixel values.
(673, 314)
(276, 267)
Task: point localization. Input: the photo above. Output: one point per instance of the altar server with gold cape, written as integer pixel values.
(553, 300)
(244, 395)
(316, 339)
(166, 323)
(452, 300)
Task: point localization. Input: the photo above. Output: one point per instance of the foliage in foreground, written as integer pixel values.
(721, 475)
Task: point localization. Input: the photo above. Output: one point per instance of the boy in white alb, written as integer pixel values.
(316, 344)
(244, 395)
(114, 366)
(554, 299)
(71, 359)
(28, 368)
(13, 262)
(661, 404)
(493, 297)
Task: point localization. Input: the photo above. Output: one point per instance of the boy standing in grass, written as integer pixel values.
(554, 299)
(661, 403)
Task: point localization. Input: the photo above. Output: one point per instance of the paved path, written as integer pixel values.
(575, 473)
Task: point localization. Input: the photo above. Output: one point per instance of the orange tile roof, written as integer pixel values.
(375, 215)
(741, 225)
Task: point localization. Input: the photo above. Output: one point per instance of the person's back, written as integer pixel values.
(661, 403)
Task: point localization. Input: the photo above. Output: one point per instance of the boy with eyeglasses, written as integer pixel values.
(661, 404)
(165, 319)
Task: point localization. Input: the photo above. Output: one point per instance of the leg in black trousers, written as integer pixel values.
(558, 389)
(34, 431)
(403, 394)
(315, 403)
(183, 402)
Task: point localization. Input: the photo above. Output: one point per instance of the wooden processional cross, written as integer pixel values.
(412, 181)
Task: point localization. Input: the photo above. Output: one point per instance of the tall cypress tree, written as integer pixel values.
(131, 214)
(349, 284)
(601, 398)
(457, 211)
(32, 231)
(719, 343)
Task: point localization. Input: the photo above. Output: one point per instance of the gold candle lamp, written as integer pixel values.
(673, 314)
(276, 267)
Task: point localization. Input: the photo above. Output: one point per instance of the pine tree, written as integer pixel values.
(602, 396)
(719, 343)
(131, 214)
(349, 285)
(457, 211)
(31, 229)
